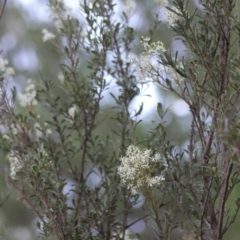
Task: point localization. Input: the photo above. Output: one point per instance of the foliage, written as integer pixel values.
(85, 183)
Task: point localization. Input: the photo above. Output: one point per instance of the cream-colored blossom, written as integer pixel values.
(44, 161)
(15, 163)
(161, 3)
(9, 71)
(61, 77)
(172, 17)
(147, 68)
(72, 111)
(47, 35)
(48, 131)
(144, 64)
(44, 153)
(173, 74)
(6, 71)
(28, 97)
(153, 181)
(129, 6)
(137, 167)
(59, 13)
(6, 137)
(152, 48)
(15, 129)
(141, 64)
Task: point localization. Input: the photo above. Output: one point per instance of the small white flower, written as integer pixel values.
(48, 131)
(28, 98)
(172, 17)
(47, 35)
(173, 74)
(44, 153)
(61, 77)
(153, 48)
(157, 157)
(161, 3)
(9, 71)
(15, 163)
(146, 67)
(6, 137)
(72, 111)
(141, 65)
(155, 180)
(129, 6)
(60, 13)
(144, 64)
(15, 129)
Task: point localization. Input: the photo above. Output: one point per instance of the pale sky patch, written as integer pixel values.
(180, 108)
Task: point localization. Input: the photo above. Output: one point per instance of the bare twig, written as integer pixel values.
(223, 200)
(2, 9)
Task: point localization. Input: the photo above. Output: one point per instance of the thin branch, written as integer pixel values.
(204, 205)
(132, 223)
(3, 7)
(228, 224)
(223, 200)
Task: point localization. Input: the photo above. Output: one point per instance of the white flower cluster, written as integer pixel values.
(59, 13)
(129, 6)
(173, 74)
(152, 48)
(147, 68)
(144, 64)
(47, 35)
(161, 3)
(137, 167)
(15, 129)
(44, 161)
(4, 69)
(15, 164)
(172, 17)
(28, 98)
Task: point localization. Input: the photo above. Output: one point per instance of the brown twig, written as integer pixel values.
(3, 7)
(223, 200)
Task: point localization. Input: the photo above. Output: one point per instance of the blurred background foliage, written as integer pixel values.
(22, 45)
